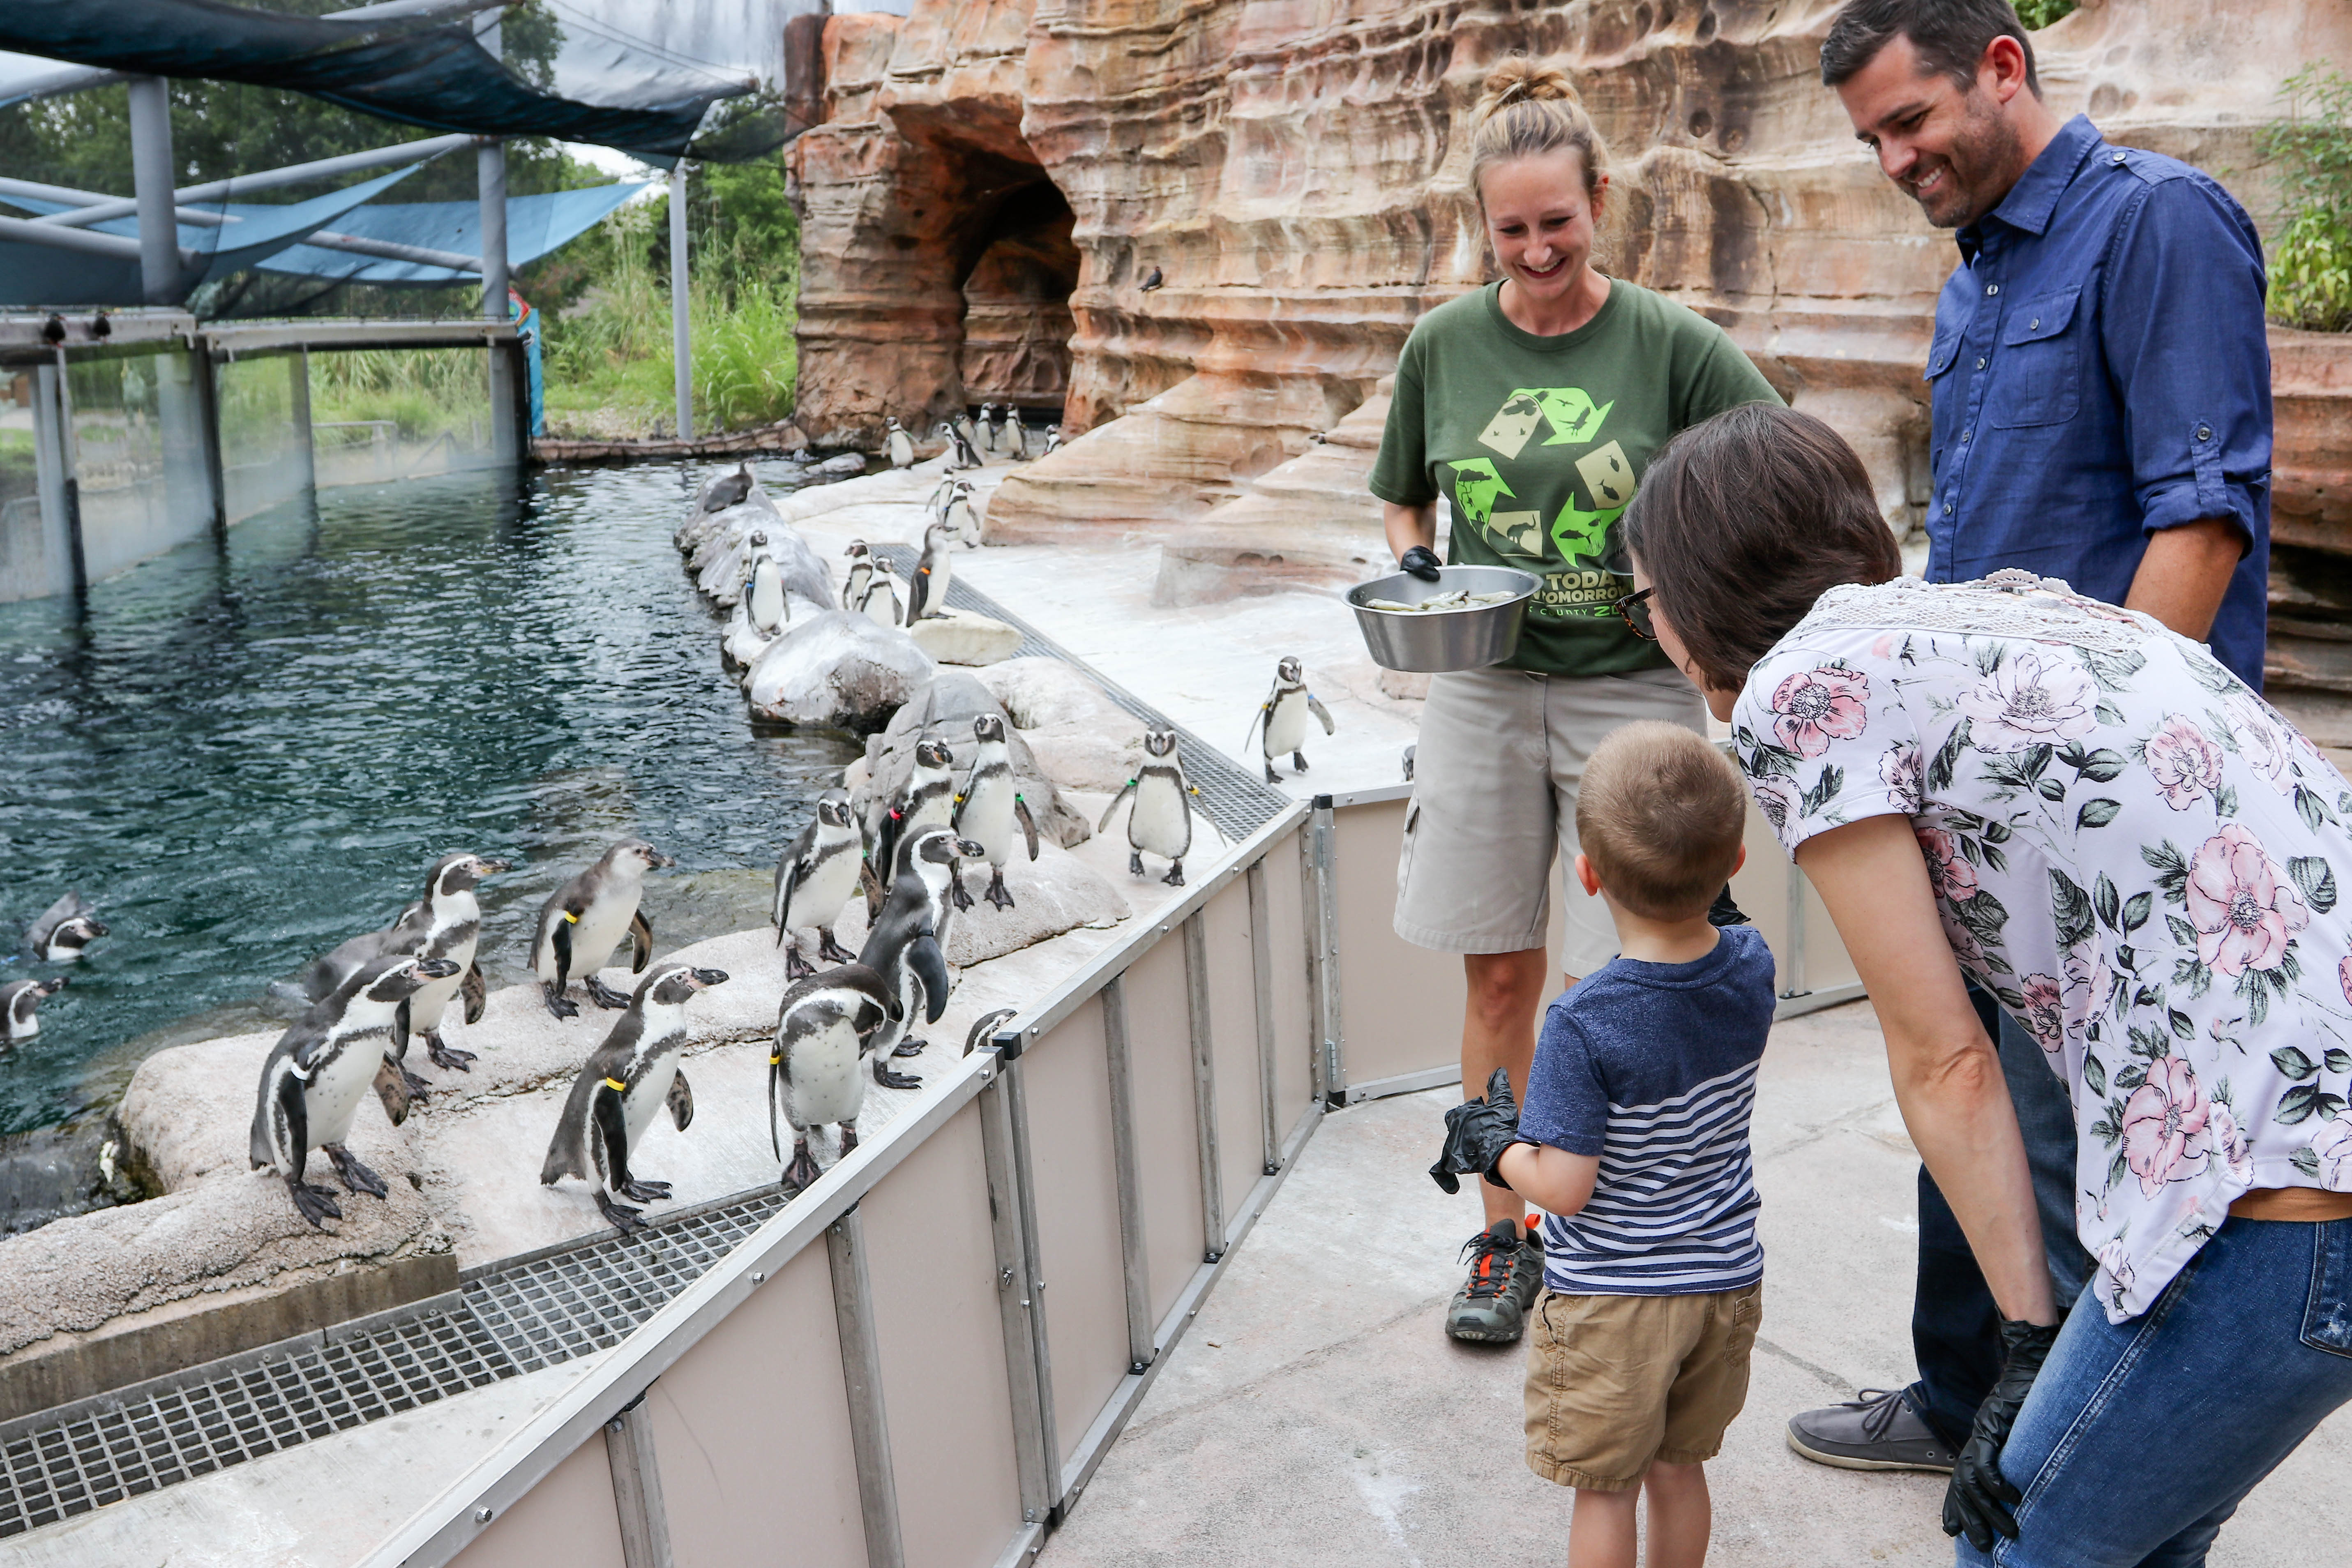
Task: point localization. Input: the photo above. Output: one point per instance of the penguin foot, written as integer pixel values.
(560, 1005)
(795, 966)
(1298, 761)
(998, 893)
(357, 1177)
(605, 995)
(831, 950)
(313, 1203)
(909, 1048)
(447, 1056)
(1175, 878)
(1135, 864)
(1270, 775)
(638, 1192)
(888, 1080)
(960, 894)
(803, 1171)
(621, 1218)
(417, 1088)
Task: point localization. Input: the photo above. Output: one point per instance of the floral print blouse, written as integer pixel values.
(2131, 851)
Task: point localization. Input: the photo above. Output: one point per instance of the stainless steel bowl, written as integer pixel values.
(1434, 641)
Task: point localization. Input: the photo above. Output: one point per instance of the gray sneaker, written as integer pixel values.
(1876, 1430)
(1506, 1272)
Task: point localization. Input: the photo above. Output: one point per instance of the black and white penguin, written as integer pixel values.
(763, 588)
(1053, 439)
(964, 427)
(1409, 750)
(927, 594)
(726, 491)
(446, 923)
(625, 1080)
(1161, 818)
(961, 452)
(20, 1003)
(907, 944)
(927, 800)
(1280, 725)
(825, 1028)
(63, 929)
(881, 603)
(987, 429)
(961, 519)
(901, 445)
(988, 808)
(983, 1028)
(861, 573)
(586, 919)
(320, 1070)
(814, 879)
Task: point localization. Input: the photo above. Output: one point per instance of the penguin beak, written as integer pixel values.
(658, 859)
(97, 927)
(436, 968)
(50, 988)
(971, 850)
(493, 868)
(708, 977)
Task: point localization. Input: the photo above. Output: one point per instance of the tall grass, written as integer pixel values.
(2311, 256)
(425, 392)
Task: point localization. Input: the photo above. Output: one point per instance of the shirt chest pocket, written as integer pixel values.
(2037, 378)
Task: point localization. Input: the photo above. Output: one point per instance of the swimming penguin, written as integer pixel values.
(625, 1082)
(726, 491)
(1161, 817)
(926, 800)
(880, 601)
(861, 573)
(825, 1028)
(907, 943)
(763, 588)
(989, 806)
(585, 922)
(446, 923)
(1281, 722)
(20, 1002)
(927, 594)
(320, 1070)
(961, 454)
(900, 444)
(814, 879)
(64, 929)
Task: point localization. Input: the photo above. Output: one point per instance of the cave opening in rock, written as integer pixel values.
(1020, 267)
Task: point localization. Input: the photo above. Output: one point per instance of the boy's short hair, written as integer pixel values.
(1660, 814)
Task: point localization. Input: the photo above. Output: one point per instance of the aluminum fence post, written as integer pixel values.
(1024, 1181)
(1129, 1174)
(1205, 1083)
(1323, 938)
(861, 1375)
(1795, 976)
(1033, 1459)
(1262, 972)
(637, 1487)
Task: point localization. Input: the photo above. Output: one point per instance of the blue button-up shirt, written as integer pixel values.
(2099, 371)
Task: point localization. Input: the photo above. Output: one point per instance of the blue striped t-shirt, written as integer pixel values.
(1652, 1067)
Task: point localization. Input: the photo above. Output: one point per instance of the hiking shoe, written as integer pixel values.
(1876, 1430)
(1506, 1272)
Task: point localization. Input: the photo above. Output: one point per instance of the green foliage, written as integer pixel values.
(2311, 257)
(2038, 14)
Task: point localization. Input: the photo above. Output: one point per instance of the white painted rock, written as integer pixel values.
(838, 670)
(1056, 893)
(1079, 736)
(704, 534)
(739, 646)
(730, 563)
(955, 637)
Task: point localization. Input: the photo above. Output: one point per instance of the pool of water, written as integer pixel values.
(245, 754)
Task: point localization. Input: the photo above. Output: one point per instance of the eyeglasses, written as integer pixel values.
(1634, 609)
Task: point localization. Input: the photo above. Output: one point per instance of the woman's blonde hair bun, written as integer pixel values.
(1519, 79)
(1527, 110)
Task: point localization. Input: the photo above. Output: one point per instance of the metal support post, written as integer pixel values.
(70, 488)
(681, 337)
(298, 377)
(206, 372)
(1204, 1084)
(1024, 1181)
(1125, 1166)
(1261, 921)
(861, 1375)
(1323, 953)
(1793, 973)
(1032, 1461)
(150, 182)
(490, 162)
(636, 1487)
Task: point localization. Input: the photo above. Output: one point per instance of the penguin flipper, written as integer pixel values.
(641, 937)
(298, 1124)
(775, 1091)
(560, 942)
(931, 967)
(1314, 706)
(612, 1124)
(788, 876)
(1028, 823)
(680, 1100)
(1256, 718)
(392, 1089)
(1103, 826)
(476, 990)
(399, 1052)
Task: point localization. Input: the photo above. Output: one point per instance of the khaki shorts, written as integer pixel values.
(1614, 1381)
(1496, 770)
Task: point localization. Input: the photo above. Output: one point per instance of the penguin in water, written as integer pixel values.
(64, 929)
(861, 573)
(901, 445)
(1161, 818)
(989, 806)
(20, 1002)
(961, 454)
(825, 1028)
(446, 923)
(927, 800)
(814, 879)
(907, 941)
(1281, 722)
(763, 588)
(726, 491)
(927, 594)
(625, 1082)
(585, 922)
(320, 1070)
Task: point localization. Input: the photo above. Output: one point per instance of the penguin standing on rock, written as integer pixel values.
(726, 491)
(585, 920)
(901, 445)
(1161, 818)
(927, 801)
(64, 929)
(625, 1080)
(1280, 725)
(880, 602)
(1053, 439)
(861, 573)
(814, 879)
(763, 588)
(989, 806)
(446, 923)
(907, 944)
(964, 427)
(961, 452)
(927, 595)
(20, 1002)
(320, 1070)
(825, 1028)
(987, 440)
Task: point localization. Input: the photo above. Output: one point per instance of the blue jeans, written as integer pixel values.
(1955, 1328)
(2140, 1439)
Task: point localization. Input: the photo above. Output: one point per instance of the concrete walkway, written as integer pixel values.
(1317, 1414)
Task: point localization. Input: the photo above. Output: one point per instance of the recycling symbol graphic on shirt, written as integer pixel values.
(1572, 418)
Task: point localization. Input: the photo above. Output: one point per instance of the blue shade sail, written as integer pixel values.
(535, 225)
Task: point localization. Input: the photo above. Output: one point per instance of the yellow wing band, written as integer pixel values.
(617, 1086)
(571, 919)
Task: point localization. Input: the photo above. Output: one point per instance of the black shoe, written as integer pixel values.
(1506, 1272)
(1877, 1430)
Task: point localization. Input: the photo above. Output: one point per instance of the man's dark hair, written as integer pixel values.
(1742, 521)
(1950, 36)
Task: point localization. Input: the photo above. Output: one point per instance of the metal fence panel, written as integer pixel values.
(1284, 949)
(1240, 1100)
(567, 1518)
(1400, 1005)
(1168, 1152)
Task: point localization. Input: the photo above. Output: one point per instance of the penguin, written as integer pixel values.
(926, 593)
(826, 1025)
(625, 1082)
(983, 1028)
(963, 523)
(726, 491)
(20, 1002)
(1154, 281)
(959, 450)
(989, 806)
(987, 441)
(1282, 718)
(446, 923)
(64, 929)
(814, 879)
(1409, 750)
(585, 922)
(926, 800)
(861, 573)
(907, 941)
(900, 444)
(320, 1070)
(966, 430)
(763, 588)
(1053, 439)
(880, 602)
(1161, 818)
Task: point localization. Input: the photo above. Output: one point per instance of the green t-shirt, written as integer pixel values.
(1538, 442)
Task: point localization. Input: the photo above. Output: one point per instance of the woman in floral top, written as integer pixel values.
(2147, 866)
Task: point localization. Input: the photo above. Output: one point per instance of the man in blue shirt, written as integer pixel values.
(2100, 383)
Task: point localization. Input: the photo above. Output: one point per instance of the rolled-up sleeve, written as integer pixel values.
(2186, 344)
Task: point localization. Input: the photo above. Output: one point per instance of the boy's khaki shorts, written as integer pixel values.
(1496, 770)
(1614, 1381)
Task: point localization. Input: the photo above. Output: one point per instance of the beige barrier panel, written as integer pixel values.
(752, 1428)
(567, 1518)
(1167, 1137)
(1400, 1005)
(1809, 963)
(1240, 1100)
(931, 1258)
(1284, 949)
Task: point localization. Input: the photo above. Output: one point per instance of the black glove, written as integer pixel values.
(1421, 561)
(1723, 911)
(1977, 1501)
(1476, 1134)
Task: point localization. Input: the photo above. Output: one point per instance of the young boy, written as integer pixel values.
(1634, 1139)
